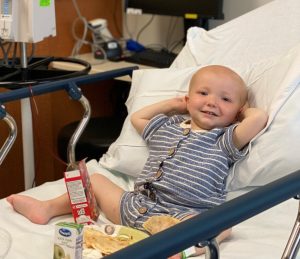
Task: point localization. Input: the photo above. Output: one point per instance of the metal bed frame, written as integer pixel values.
(187, 233)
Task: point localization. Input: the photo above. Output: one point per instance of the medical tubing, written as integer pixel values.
(292, 246)
(212, 222)
(43, 62)
(79, 41)
(49, 87)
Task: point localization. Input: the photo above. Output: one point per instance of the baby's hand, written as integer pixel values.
(179, 104)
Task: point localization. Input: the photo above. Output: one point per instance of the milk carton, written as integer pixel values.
(82, 199)
(68, 241)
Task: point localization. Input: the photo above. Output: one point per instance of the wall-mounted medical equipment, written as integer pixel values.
(104, 45)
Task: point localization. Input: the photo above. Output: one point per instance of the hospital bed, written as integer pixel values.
(263, 46)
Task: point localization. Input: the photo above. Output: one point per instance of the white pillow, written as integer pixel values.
(274, 153)
(270, 85)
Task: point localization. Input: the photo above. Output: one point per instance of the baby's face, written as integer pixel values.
(215, 99)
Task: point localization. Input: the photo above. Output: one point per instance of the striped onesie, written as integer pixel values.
(185, 172)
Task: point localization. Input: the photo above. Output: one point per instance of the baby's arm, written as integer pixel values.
(253, 121)
(140, 118)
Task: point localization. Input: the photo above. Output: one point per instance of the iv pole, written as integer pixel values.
(27, 130)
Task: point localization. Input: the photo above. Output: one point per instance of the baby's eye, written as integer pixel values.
(202, 92)
(226, 99)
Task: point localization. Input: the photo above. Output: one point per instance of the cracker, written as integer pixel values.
(103, 243)
(156, 224)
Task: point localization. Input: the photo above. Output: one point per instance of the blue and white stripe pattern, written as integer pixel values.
(186, 171)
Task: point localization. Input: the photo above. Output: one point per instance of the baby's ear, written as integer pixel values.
(244, 107)
(240, 115)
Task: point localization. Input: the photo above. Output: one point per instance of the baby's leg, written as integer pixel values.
(108, 196)
(225, 234)
(40, 212)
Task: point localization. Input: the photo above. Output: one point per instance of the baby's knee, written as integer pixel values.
(97, 177)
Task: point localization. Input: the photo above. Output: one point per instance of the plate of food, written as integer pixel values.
(105, 239)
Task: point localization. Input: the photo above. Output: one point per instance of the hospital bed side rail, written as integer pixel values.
(53, 86)
(210, 223)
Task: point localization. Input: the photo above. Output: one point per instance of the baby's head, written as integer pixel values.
(215, 98)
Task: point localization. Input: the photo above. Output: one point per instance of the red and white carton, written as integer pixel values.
(82, 198)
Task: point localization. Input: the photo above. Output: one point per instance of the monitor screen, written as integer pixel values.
(189, 9)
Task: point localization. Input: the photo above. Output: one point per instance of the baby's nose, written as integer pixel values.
(211, 100)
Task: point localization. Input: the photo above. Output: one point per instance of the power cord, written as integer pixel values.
(173, 23)
(5, 51)
(144, 27)
(12, 62)
(80, 41)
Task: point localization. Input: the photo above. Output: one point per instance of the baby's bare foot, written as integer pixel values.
(36, 211)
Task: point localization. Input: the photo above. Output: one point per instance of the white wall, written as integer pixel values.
(159, 34)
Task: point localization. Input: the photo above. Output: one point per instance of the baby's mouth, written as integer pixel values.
(210, 113)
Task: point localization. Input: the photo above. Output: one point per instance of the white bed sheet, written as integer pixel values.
(263, 236)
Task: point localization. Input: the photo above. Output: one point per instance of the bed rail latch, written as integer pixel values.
(211, 248)
(12, 133)
(292, 247)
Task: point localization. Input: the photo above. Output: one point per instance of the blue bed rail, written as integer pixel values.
(210, 223)
(64, 84)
